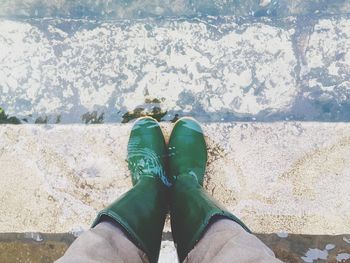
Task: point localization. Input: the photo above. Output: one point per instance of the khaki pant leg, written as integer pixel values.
(105, 243)
(227, 241)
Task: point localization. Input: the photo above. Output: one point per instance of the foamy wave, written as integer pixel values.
(214, 69)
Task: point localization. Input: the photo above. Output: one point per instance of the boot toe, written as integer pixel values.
(187, 126)
(145, 123)
(187, 150)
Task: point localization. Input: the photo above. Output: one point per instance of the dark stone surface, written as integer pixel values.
(293, 248)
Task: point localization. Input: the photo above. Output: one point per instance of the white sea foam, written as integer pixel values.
(212, 67)
(114, 66)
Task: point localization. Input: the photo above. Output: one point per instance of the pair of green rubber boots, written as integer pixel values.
(165, 177)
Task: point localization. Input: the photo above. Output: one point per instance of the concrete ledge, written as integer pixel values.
(277, 177)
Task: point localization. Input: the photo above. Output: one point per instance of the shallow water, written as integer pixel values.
(113, 61)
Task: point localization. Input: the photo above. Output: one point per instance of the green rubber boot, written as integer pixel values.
(191, 208)
(141, 211)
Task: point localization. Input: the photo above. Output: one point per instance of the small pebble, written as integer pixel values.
(34, 236)
(347, 240)
(282, 235)
(330, 246)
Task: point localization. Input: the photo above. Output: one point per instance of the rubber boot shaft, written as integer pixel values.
(141, 211)
(192, 209)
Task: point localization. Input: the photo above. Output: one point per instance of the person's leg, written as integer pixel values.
(193, 210)
(104, 243)
(226, 241)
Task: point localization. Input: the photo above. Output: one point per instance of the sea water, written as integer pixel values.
(224, 60)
